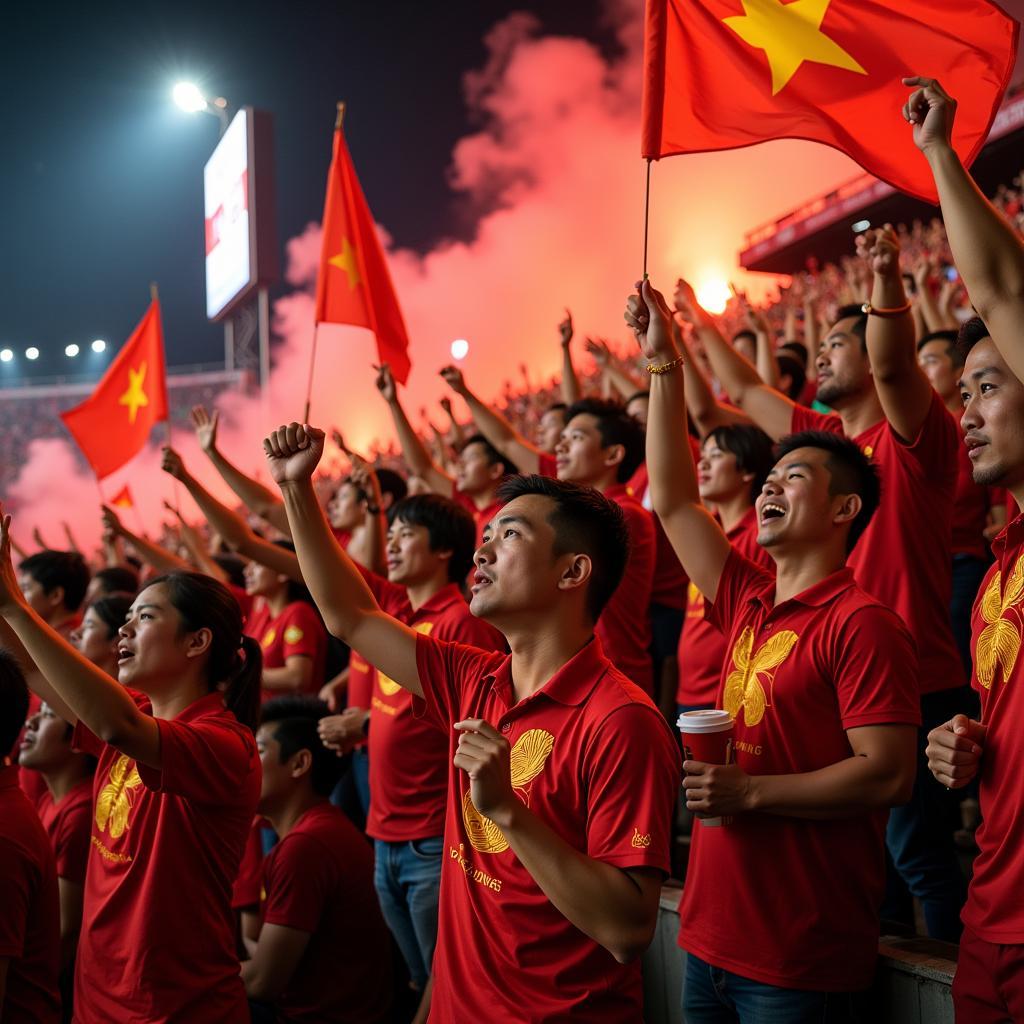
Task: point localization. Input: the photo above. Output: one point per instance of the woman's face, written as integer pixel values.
(152, 643)
(95, 641)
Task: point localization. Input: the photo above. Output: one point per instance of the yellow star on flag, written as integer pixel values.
(789, 34)
(346, 260)
(135, 397)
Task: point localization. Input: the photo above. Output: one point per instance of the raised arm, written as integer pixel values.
(455, 431)
(349, 609)
(705, 410)
(260, 500)
(84, 692)
(903, 389)
(771, 410)
(622, 383)
(696, 537)
(986, 250)
(494, 426)
(367, 547)
(414, 451)
(159, 557)
(190, 537)
(571, 391)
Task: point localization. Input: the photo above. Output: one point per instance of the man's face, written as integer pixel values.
(474, 474)
(517, 572)
(637, 408)
(549, 430)
(46, 745)
(993, 412)
(843, 367)
(345, 509)
(719, 477)
(937, 363)
(409, 558)
(276, 784)
(44, 604)
(794, 506)
(93, 639)
(580, 455)
(259, 580)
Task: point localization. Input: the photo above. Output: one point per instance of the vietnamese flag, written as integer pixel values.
(113, 423)
(353, 285)
(123, 498)
(719, 74)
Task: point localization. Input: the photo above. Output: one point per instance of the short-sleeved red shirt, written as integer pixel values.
(298, 630)
(481, 516)
(903, 557)
(790, 901)
(548, 465)
(408, 753)
(319, 879)
(625, 625)
(158, 934)
(970, 510)
(68, 825)
(670, 582)
(29, 910)
(360, 681)
(702, 647)
(593, 759)
(994, 909)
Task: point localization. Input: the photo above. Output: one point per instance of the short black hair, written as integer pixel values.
(584, 520)
(855, 311)
(615, 426)
(971, 332)
(52, 569)
(234, 567)
(296, 591)
(797, 348)
(13, 702)
(392, 483)
(752, 447)
(449, 526)
(645, 395)
(295, 718)
(556, 407)
(797, 371)
(112, 610)
(117, 579)
(950, 339)
(745, 333)
(494, 457)
(851, 470)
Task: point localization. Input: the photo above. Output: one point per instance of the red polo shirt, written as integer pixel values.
(970, 510)
(625, 626)
(789, 901)
(903, 557)
(158, 935)
(994, 909)
(670, 582)
(548, 465)
(319, 879)
(29, 910)
(592, 758)
(481, 516)
(68, 825)
(408, 753)
(298, 630)
(702, 647)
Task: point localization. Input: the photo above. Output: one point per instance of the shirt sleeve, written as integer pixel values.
(446, 669)
(811, 419)
(935, 447)
(875, 665)
(16, 888)
(633, 776)
(740, 578)
(72, 842)
(298, 880)
(209, 761)
(302, 632)
(392, 598)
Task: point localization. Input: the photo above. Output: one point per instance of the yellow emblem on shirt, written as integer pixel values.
(529, 755)
(292, 635)
(116, 797)
(743, 687)
(268, 638)
(999, 642)
(387, 685)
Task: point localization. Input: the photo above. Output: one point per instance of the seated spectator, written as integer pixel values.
(323, 953)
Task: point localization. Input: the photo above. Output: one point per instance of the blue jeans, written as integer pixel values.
(361, 775)
(407, 877)
(968, 572)
(712, 995)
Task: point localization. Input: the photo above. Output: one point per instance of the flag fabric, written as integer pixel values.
(720, 74)
(123, 498)
(113, 423)
(353, 285)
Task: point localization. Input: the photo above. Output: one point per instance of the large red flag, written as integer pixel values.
(113, 423)
(353, 285)
(719, 74)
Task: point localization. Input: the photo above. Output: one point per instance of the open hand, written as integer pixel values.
(10, 591)
(205, 427)
(598, 348)
(293, 452)
(111, 522)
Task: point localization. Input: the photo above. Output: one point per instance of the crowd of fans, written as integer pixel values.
(406, 742)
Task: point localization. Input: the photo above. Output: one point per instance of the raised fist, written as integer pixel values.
(931, 110)
(385, 382)
(880, 248)
(453, 378)
(293, 452)
(171, 462)
(649, 318)
(565, 330)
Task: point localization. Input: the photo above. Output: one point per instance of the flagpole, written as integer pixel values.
(154, 296)
(309, 385)
(647, 212)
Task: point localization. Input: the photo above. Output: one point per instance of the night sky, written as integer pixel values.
(102, 175)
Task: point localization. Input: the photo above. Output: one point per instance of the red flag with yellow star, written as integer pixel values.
(113, 423)
(720, 74)
(353, 285)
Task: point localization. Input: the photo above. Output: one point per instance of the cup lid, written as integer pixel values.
(708, 720)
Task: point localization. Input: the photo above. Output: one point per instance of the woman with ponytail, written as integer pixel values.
(176, 788)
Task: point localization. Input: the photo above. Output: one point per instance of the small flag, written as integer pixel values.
(123, 498)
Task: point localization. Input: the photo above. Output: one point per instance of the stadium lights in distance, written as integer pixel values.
(460, 348)
(713, 294)
(31, 352)
(861, 225)
(6, 355)
(188, 97)
(99, 345)
(71, 350)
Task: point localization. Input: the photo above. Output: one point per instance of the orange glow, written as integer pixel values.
(713, 294)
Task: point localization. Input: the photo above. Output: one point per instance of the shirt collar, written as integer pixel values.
(745, 523)
(821, 593)
(570, 685)
(448, 595)
(213, 701)
(1011, 537)
(617, 491)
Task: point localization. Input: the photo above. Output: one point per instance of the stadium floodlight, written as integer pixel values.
(861, 225)
(6, 355)
(71, 350)
(31, 352)
(189, 98)
(99, 345)
(460, 348)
